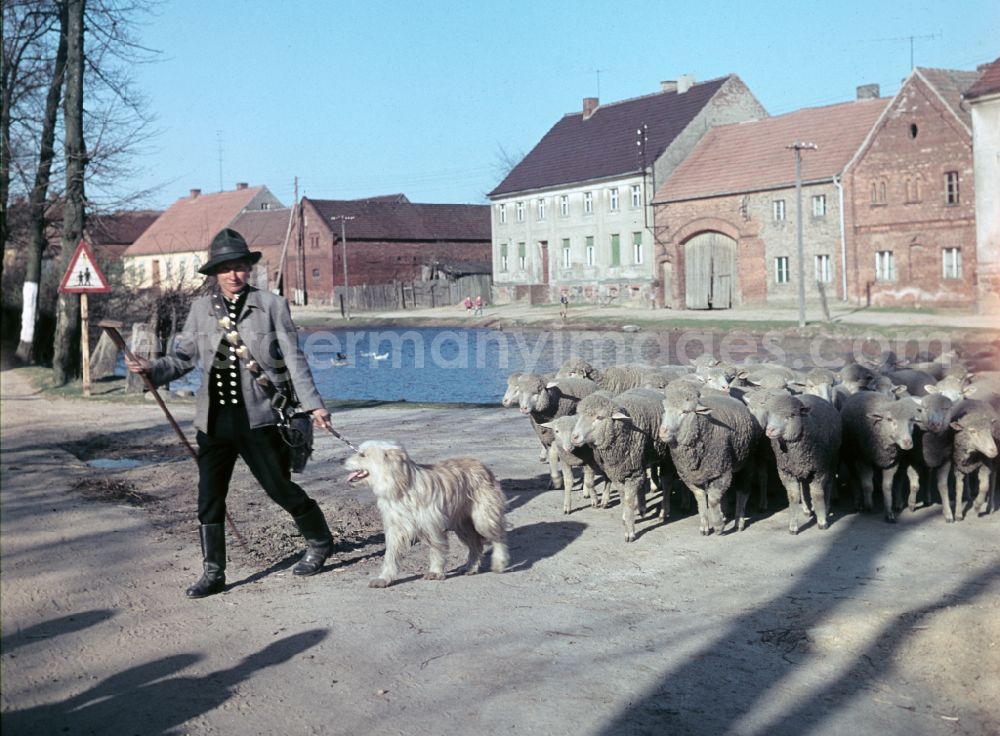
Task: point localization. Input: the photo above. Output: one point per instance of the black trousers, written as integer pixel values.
(264, 452)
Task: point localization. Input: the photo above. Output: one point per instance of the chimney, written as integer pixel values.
(195, 193)
(589, 105)
(241, 185)
(684, 83)
(868, 92)
(668, 85)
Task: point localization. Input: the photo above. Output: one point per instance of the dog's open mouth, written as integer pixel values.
(357, 475)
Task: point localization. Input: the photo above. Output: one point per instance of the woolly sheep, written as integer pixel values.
(876, 430)
(713, 442)
(615, 378)
(805, 435)
(974, 451)
(931, 453)
(571, 457)
(621, 432)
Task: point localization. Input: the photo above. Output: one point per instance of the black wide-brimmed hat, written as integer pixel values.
(228, 245)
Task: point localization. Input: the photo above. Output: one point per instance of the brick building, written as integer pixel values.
(911, 236)
(389, 239)
(726, 226)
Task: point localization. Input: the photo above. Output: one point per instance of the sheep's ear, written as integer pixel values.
(552, 384)
(703, 410)
(932, 389)
(803, 410)
(742, 373)
(900, 390)
(547, 425)
(620, 414)
(956, 425)
(796, 386)
(918, 400)
(755, 384)
(876, 416)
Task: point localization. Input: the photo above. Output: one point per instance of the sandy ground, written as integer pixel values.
(864, 628)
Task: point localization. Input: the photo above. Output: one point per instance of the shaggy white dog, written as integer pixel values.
(425, 502)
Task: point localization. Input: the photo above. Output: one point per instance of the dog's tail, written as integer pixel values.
(488, 516)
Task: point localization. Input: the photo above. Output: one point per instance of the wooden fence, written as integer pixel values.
(401, 295)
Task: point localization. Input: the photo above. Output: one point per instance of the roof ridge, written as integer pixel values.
(651, 94)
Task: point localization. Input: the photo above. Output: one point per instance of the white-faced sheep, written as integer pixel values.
(876, 430)
(974, 452)
(615, 379)
(713, 441)
(571, 457)
(543, 400)
(805, 435)
(621, 430)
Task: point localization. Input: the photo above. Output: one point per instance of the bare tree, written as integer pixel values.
(66, 350)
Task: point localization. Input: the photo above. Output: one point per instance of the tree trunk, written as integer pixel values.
(39, 194)
(66, 356)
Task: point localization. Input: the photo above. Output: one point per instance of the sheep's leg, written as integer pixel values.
(631, 491)
(702, 498)
(741, 485)
(467, 534)
(588, 485)
(438, 543)
(760, 474)
(666, 488)
(942, 485)
(567, 478)
(794, 490)
(396, 544)
(865, 481)
(715, 491)
(555, 476)
(888, 479)
(819, 489)
(986, 482)
(959, 495)
(913, 478)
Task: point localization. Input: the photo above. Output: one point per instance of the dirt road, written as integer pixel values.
(864, 628)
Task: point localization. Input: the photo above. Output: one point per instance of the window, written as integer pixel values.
(541, 209)
(519, 210)
(565, 253)
(885, 266)
(588, 203)
(503, 256)
(913, 190)
(779, 210)
(951, 263)
(314, 241)
(824, 272)
(781, 270)
(613, 199)
(879, 188)
(564, 205)
(522, 258)
(951, 187)
(637, 248)
(636, 195)
(502, 213)
(616, 250)
(819, 205)
(591, 257)
(315, 273)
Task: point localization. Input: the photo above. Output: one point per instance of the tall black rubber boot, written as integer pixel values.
(312, 525)
(213, 552)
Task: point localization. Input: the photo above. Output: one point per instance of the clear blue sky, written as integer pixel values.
(366, 98)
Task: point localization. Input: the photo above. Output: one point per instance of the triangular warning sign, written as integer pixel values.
(83, 274)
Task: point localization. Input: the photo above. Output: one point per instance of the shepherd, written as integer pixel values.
(234, 415)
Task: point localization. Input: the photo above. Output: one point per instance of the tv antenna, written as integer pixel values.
(912, 39)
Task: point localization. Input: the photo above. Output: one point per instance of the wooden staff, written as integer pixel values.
(112, 327)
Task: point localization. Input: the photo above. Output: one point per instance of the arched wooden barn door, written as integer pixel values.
(709, 271)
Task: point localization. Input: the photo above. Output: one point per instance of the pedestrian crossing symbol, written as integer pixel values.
(83, 274)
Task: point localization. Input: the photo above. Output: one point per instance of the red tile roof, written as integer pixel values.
(754, 155)
(190, 223)
(603, 145)
(951, 84)
(380, 220)
(119, 228)
(988, 83)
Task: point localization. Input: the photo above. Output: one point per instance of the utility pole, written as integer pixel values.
(343, 244)
(798, 147)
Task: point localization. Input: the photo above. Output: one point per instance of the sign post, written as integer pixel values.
(84, 277)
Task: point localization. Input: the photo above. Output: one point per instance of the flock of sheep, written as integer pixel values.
(725, 429)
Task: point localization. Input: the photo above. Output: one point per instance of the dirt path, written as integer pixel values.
(865, 628)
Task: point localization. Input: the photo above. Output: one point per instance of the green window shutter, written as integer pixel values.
(616, 250)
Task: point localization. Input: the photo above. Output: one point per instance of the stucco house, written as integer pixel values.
(983, 102)
(726, 220)
(574, 215)
(171, 250)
